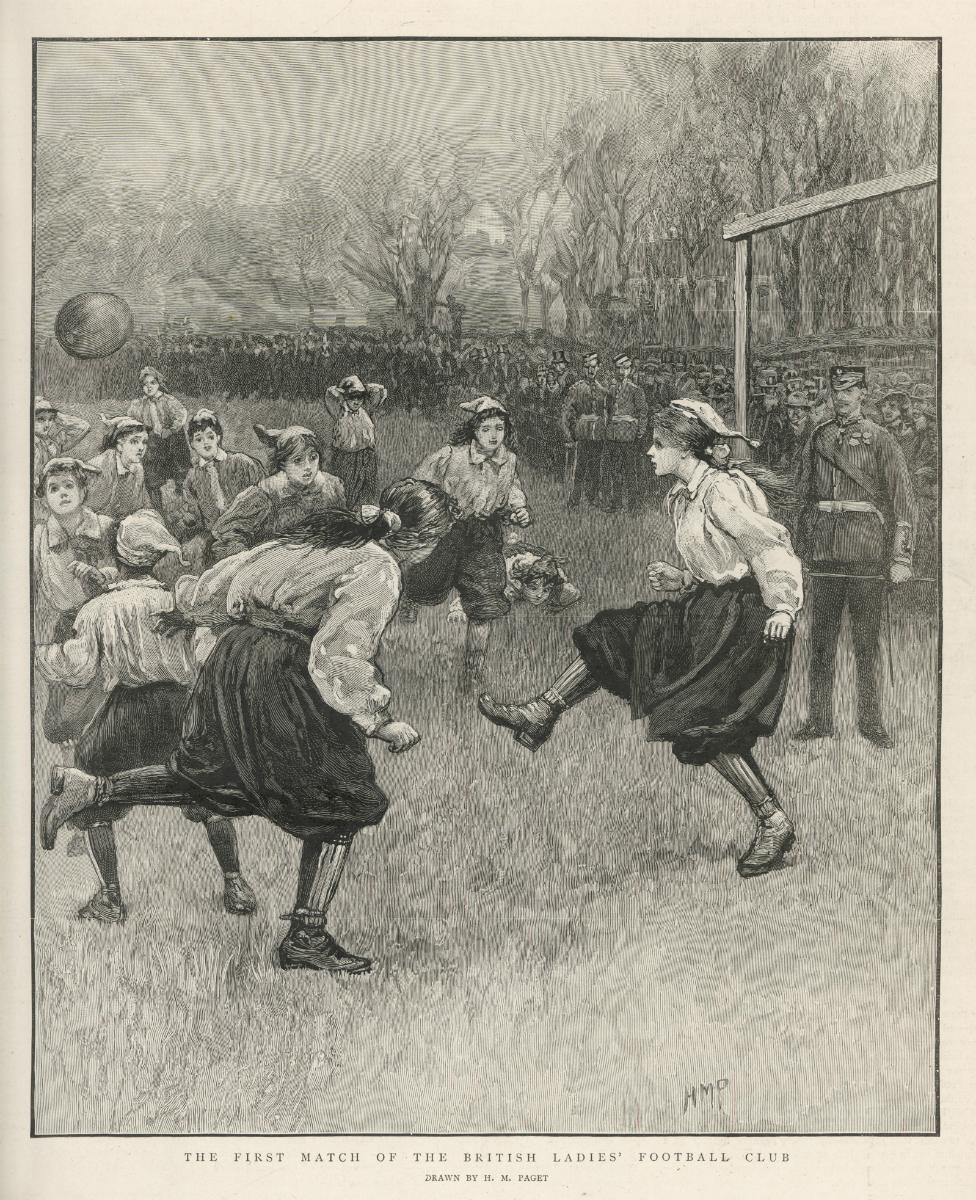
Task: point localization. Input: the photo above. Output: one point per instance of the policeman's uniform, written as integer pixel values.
(584, 427)
(858, 520)
(626, 413)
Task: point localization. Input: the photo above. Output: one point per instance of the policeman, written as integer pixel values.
(626, 411)
(858, 520)
(584, 428)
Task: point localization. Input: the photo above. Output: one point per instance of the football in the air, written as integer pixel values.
(93, 324)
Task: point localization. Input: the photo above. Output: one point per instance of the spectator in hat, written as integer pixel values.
(798, 408)
(55, 433)
(296, 489)
(167, 457)
(352, 406)
(626, 420)
(561, 379)
(584, 430)
(120, 487)
(142, 677)
(858, 520)
(478, 470)
(769, 424)
(890, 412)
(921, 443)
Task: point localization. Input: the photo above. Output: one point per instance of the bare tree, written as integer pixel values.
(406, 214)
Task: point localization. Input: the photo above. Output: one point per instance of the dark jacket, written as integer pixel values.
(859, 463)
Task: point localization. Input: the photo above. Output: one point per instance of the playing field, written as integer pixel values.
(562, 941)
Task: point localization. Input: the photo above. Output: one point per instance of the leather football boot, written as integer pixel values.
(315, 949)
(772, 841)
(105, 906)
(71, 791)
(238, 895)
(531, 723)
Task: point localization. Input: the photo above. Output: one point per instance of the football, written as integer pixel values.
(93, 325)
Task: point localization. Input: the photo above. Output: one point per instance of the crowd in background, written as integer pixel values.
(539, 382)
(434, 373)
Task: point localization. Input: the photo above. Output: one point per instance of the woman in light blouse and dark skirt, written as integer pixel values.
(706, 670)
(277, 722)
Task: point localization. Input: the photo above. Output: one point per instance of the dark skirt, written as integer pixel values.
(258, 739)
(470, 558)
(695, 668)
(137, 727)
(357, 470)
(167, 458)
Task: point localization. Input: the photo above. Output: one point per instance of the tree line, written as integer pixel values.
(613, 216)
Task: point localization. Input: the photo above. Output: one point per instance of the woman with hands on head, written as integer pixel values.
(707, 667)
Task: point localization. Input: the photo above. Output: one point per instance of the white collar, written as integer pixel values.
(148, 581)
(58, 536)
(501, 455)
(691, 488)
(220, 456)
(122, 469)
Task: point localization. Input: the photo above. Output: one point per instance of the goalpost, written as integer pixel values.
(744, 227)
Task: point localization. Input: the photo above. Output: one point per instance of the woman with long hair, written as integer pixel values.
(707, 668)
(296, 489)
(278, 719)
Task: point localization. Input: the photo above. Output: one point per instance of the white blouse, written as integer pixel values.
(724, 532)
(482, 486)
(346, 596)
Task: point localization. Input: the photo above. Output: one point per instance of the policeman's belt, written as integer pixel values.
(857, 506)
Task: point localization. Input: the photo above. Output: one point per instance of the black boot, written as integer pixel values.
(877, 733)
(810, 730)
(532, 722)
(105, 906)
(239, 897)
(775, 837)
(71, 791)
(309, 946)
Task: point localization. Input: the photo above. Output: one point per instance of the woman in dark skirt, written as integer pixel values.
(707, 669)
(168, 451)
(278, 720)
(136, 683)
(478, 468)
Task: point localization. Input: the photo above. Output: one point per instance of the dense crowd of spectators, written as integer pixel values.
(534, 378)
(564, 398)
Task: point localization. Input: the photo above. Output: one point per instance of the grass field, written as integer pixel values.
(562, 942)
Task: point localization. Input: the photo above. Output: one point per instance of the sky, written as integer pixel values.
(245, 114)
(240, 117)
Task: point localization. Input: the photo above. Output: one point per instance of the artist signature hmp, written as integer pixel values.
(705, 1095)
